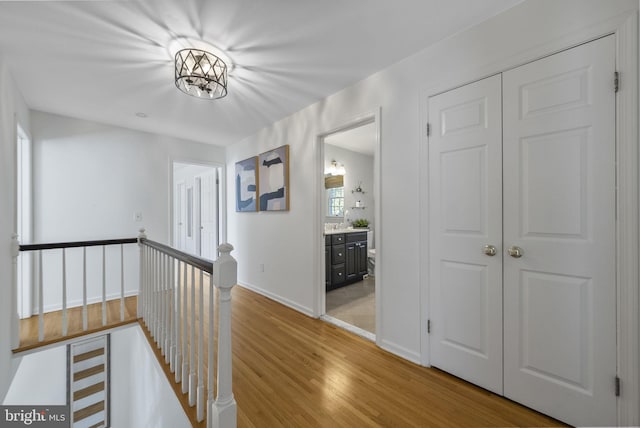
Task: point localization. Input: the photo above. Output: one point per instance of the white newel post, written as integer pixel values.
(225, 276)
(15, 318)
(142, 273)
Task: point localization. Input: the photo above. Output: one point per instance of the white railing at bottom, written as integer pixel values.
(172, 304)
(47, 283)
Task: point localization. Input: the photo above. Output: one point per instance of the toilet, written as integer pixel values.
(371, 254)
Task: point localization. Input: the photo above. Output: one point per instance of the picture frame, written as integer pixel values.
(273, 175)
(247, 185)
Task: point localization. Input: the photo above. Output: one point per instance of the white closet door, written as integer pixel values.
(465, 200)
(559, 208)
(209, 216)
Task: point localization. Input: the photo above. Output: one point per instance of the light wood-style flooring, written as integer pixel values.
(290, 370)
(294, 371)
(53, 323)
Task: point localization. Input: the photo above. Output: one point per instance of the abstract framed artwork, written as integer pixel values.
(273, 175)
(247, 185)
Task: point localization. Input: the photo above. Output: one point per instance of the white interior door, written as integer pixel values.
(180, 207)
(559, 208)
(197, 207)
(465, 215)
(209, 215)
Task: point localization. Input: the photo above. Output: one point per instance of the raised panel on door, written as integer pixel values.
(559, 208)
(465, 207)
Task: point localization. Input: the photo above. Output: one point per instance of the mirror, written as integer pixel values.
(348, 177)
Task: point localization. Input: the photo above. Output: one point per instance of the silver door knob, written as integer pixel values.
(489, 250)
(515, 252)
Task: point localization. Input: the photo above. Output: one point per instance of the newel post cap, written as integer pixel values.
(225, 268)
(141, 235)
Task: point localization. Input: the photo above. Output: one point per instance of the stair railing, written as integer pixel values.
(41, 280)
(173, 286)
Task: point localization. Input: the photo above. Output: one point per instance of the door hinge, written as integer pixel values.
(428, 326)
(617, 386)
(616, 81)
(428, 129)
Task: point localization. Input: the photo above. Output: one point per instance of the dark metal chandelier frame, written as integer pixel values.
(200, 74)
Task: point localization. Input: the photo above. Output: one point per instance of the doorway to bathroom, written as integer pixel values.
(348, 207)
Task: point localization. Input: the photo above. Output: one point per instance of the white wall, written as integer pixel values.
(288, 243)
(358, 170)
(41, 379)
(140, 392)
(89, 180)
(141, 396)
(12, 109)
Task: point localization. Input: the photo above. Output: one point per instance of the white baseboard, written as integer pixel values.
(90, 300)
(289, 303)
(349, 327)
(400, 351)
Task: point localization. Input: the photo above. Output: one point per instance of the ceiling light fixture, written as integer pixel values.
(334, 169)
(200, 74)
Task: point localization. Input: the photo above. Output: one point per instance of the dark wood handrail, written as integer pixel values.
(204, 265)
(53, 246)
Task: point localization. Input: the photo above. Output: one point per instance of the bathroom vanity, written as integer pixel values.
(345, 257)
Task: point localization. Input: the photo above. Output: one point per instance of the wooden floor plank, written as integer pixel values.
(53, 323)
(290, 370)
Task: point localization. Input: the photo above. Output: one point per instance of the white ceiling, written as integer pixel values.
(105, 61)
(360, 140)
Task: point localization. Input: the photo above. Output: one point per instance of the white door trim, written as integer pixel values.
(625, 28)
(222, 195)
(372, 116)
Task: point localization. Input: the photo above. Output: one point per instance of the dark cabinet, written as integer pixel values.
(327, 258)
(345, 258)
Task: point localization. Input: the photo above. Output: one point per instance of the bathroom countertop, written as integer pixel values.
(349, 230)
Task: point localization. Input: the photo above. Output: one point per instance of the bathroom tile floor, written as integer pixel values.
(354, 304)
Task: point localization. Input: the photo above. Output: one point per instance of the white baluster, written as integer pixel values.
(179, 337)
(192, 342)
(167, 312)
(200, 403)
(104, 285)
(122, 284)
(185, 337)
(142, 289)
(40, 299)
(160, 303)
(154, 294)
(85, 321)
(15, 318)
(225, 277)
(150, 290)
(144, 269)
(161, 300)
(147, 286)
(210, 361)
(65, 321)
(172, 313)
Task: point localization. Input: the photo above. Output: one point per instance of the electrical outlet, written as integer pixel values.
(137, 216)
(261, 267)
